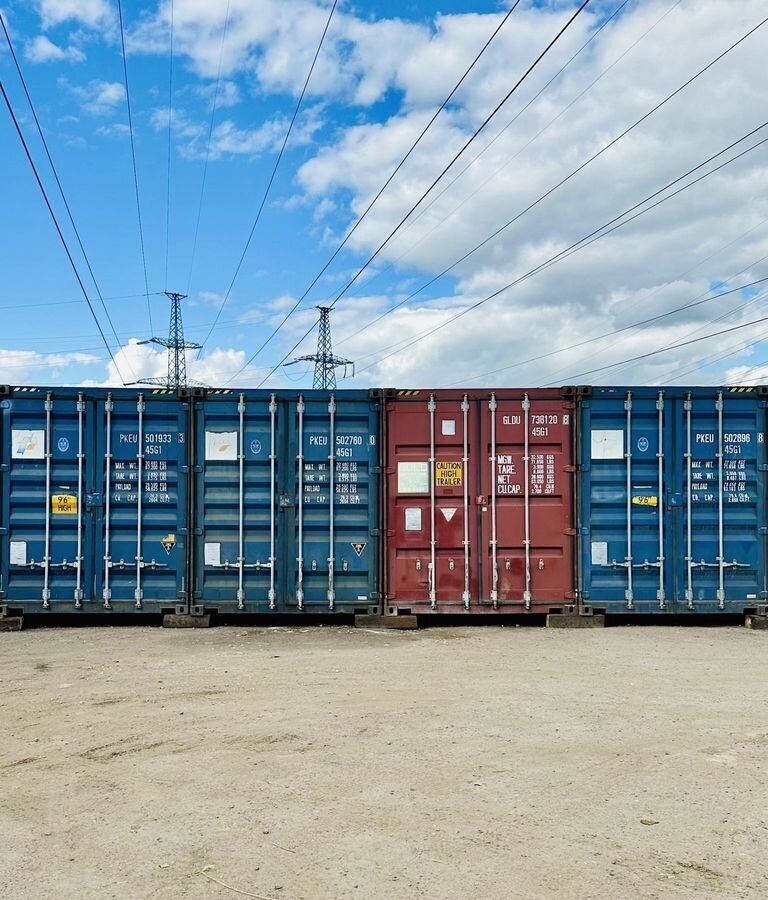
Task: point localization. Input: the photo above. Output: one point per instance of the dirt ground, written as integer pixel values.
(331, 763)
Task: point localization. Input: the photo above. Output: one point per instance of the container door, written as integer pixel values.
(238, 489)
(627, 455)
(143, 480)
(333, 504)
(721, 500)
(527, 493)
(47, 535)
(432, 495)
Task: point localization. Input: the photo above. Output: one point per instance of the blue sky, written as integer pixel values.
(385, 68)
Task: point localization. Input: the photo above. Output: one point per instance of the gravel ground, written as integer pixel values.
(445, 764)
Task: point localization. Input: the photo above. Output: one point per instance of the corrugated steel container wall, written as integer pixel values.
(287, 501)
(93, 492)
(479, 491)
(672, 499)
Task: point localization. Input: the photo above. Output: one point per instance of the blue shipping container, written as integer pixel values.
(672, 499)
(286, 494)
(93, 493)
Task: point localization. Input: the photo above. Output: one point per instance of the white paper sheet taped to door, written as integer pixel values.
(449, 427)
(413, 478)
(607, 444)
(413, 519)
(221, 445)
(212, 554)
(599, 553)
(28, 444)
(18, 554)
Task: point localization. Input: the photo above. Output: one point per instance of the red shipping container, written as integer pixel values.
(479, 500)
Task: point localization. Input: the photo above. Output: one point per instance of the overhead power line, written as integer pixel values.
(56, 177)
(72, 302)
(563, 181)
(508, 162)
(64, 244)
(577, 246)
(412, 209)
(386, 184)
(208, 147)
(677, 346)
(643, 323)
(272, 175)
(133, 158)
(168, 162)
(714, 320)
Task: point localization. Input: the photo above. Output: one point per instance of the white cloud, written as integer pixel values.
(98, 98)
(144, 361)
(665, 258)
(31, 367)
(42, 50)
(91, 13)
(115, 130)
(228, 94)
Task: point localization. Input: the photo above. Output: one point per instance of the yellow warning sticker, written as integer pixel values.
(448, 474)
(645, 501)
(64, 505)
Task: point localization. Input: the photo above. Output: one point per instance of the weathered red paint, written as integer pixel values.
(410, 472)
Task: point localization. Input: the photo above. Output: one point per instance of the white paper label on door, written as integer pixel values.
(18, 555)
(212, 554)
(599, 553)
(607, 444)
(449, 427)
(221, 445)
(28, 444)
(413, 478)
(449, 512)
(413, 519)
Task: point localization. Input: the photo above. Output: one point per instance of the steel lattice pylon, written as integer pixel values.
(175, 345)
(325, 361)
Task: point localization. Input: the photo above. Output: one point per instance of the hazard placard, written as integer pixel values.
(449, 474)
(169, 542)
(64, 505)
(358, 547)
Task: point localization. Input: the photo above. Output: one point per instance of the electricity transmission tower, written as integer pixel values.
(176, 347)
(325, 362)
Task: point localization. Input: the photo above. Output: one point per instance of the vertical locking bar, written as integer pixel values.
(332, 470)
(689, 506)
(107, 592)
(272, 596)
(139, 593)
(630, 595)
(80, 457)
(465, 459)
(48, 458)
(720, 511)
(527, 540)
(494, 542)
(432, 406)
(300, 459)
(661, 596)
(241, 509)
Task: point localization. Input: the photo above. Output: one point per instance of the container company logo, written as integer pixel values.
(63, 444)
(255, 447)
(642, 444)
